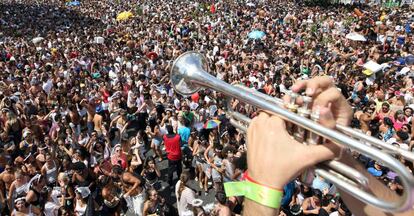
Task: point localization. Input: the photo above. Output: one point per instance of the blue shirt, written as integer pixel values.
(319, 184)
(375, 172)
(184, 132)
(288, 192)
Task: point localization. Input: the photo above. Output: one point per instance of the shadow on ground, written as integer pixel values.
(24, 20)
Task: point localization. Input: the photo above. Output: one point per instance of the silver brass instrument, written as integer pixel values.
(189, 74)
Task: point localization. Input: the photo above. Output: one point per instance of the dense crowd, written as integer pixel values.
(91, 125)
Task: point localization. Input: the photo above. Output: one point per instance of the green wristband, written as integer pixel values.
(258, 193)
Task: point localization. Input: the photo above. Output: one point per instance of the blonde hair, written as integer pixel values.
(11, 118)
(63, 177)
(185, 176)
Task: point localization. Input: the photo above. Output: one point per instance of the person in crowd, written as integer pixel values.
(184, 194)
(221, 208)
(173, 148)
(151, 173)
(21, 207)
(86, 96)
(155, 204)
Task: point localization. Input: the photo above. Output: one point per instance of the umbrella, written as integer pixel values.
(355, 37)
(99, 40)
(256, 34)
(152, 55)
(250, 4)
(73, 3)
(124, 15)
(210, 124)
(37, 40)
(409, 60)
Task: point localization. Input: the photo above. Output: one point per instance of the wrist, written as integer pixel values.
(271, 181)
(264, 196)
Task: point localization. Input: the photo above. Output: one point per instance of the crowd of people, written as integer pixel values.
(91, 124)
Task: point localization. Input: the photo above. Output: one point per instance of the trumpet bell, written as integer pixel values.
(184, 67)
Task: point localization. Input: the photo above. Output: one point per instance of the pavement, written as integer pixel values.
(169, 194)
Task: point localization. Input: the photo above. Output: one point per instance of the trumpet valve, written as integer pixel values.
(292, 106)
(313, 138)
(304, 111)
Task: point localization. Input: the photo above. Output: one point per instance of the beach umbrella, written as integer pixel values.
(37, 40)
(152, 55)
(355, 37)
(73, 3)
(99, 40)
(210, 124)
(409, 60)
(256, 34)
(195, 97)
(124, 15)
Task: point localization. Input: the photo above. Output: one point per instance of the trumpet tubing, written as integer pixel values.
(189, 74)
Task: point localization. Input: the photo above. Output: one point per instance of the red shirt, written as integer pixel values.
(172, 147)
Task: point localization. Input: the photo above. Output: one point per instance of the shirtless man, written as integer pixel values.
(98, 127)
(365, 118)
(90, 107)
(75, 118)
(134, 194)
(6, 179)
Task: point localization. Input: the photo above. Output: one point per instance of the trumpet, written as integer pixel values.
(189, 75)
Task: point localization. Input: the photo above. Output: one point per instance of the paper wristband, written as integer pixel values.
(260, 194)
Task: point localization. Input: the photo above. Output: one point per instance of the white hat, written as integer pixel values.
(398, 28)
(197, 202)
(83, 191)
(404, 70)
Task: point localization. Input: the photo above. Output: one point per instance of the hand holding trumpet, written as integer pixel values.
(269, 139)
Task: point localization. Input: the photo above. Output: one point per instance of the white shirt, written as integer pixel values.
(187, 196)
(47, 86)
(51, 209)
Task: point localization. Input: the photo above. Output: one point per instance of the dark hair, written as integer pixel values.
(388, 122)
(147, 160)
(326, 200)
(407, 107)
(317, 193)
(117, 169)
(170, 129)
(403, 135)
(221, 197)
(63, 210)
(186, 122)
(241, 162)
(408, 127)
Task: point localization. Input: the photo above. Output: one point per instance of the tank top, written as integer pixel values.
(51, 174)
(79, 209)
(150, 175)
(22, 189)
